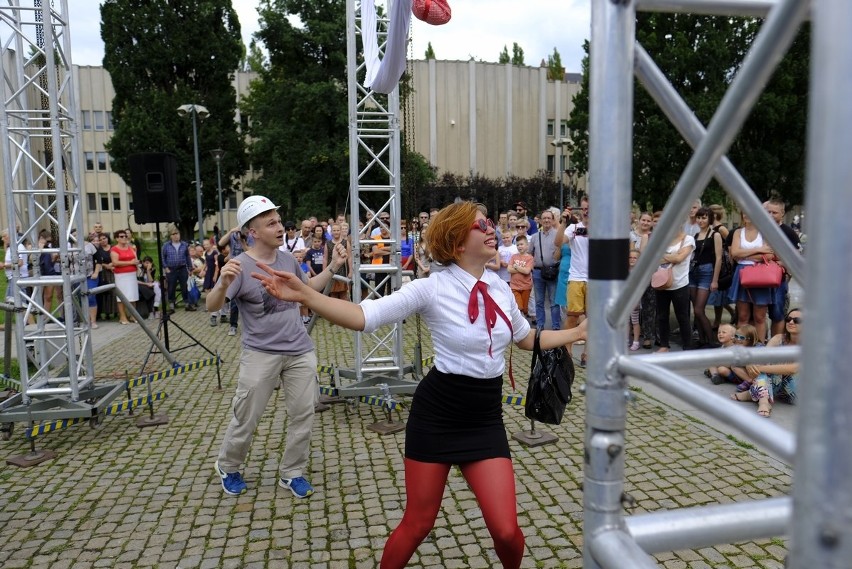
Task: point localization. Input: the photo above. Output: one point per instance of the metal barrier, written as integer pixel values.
(818, 516)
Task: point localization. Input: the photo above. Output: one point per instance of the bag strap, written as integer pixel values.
(536, 348)
(540, 247)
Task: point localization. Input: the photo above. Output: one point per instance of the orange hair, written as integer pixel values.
(449, 229)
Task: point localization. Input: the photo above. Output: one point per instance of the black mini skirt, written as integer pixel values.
(456, 419)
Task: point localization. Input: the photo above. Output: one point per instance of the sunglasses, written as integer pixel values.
(122, 236)
(794, 319)
(482, 225)
(739, 337)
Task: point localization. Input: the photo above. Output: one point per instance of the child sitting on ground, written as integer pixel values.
(721, 374)
(745, 336)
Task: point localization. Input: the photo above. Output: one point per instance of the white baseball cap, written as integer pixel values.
(253, 206)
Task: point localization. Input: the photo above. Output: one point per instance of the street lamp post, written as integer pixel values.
(197, 112)
(217, 156)
(560, 143)
(571, 172)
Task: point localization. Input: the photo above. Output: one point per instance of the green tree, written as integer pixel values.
(430, 53)
(256, 59)
(161, 55)
(504, 55)
(700, 55)
(517, 54)
(298, 107)
(555, 70)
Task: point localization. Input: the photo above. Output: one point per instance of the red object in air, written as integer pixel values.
(435, 12)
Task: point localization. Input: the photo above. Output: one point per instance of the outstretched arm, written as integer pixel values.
(287, 286)
(555, 338)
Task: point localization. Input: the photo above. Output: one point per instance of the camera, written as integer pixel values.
(581, 232)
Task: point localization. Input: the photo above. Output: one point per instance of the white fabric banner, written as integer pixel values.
(383, 74)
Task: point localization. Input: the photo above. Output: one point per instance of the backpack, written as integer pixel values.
(726, 272)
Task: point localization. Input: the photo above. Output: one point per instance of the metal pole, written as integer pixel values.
(218, 155)
(561, 174)
(822, 496)
(197, 175)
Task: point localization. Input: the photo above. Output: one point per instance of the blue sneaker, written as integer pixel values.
(300, 487)
(232, 483)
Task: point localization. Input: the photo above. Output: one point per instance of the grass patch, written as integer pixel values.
(740, 443)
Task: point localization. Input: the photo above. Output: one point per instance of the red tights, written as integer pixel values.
(492, 481)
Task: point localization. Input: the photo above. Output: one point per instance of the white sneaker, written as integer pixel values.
(232, 331)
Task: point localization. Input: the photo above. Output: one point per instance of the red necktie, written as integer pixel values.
(491, 311)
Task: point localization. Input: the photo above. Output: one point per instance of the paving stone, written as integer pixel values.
(150, 497)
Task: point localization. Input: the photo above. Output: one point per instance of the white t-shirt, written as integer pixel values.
(579, 253)
(680, 271)
(461, 346)
(505, 252)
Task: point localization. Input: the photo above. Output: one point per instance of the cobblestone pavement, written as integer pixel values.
(120, 496)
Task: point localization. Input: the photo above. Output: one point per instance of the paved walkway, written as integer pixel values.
(118, 496)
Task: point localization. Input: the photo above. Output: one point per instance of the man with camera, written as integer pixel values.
(545, 271)
(578, 277)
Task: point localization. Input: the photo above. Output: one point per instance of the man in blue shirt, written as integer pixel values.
(177, 266)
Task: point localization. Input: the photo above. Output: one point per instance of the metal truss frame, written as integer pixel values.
(374, 175)
(818, 516)
(39, 133)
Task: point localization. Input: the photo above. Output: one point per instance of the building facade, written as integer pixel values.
(468, 117)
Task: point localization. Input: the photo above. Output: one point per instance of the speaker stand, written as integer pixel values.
(165, 316)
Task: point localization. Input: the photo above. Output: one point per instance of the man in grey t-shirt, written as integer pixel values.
(275, 345)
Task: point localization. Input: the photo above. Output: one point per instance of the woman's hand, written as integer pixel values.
(752, 371)
(282, 285)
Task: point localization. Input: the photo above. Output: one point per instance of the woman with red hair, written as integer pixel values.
(456, 417)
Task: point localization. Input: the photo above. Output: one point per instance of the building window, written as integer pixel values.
(90, 161)
(92, 202)
(232, 201)
(563, 129)
(550, 125)
(116, 202)
(102, 161)
(104, 202)
(87, 120)
(99, 120)
(110, 124)
(550, 162)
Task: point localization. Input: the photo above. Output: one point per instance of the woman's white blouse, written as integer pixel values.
(461, 347)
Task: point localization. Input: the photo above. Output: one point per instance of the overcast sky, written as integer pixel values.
(478, 28)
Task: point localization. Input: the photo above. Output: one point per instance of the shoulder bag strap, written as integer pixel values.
(540, 247)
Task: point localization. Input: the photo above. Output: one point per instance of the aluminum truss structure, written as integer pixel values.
(818, 517)
(374, 186)
(42, 190)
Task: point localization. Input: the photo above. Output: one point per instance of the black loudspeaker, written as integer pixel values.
(153, 182)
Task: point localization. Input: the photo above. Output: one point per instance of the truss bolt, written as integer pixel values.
(829, 536)
(629, 396)
(583, 389)
(613, 450)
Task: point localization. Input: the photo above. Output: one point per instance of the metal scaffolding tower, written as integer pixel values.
(375, 188)
(819, 515)
(40, 154)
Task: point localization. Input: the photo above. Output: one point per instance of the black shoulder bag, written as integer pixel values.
(549, 389)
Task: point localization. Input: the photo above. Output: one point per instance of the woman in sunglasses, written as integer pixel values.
(775, 381)
(457, 415)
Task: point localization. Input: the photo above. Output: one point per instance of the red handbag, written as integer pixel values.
(767, 274)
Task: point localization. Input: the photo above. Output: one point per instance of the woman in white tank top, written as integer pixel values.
(747, 248)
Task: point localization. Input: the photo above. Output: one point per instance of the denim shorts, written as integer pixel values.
(702, 276)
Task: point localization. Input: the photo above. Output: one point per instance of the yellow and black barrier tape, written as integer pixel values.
(9, 383)
(325, 369)
(45, 428)
(330, 391)
(519, 400)
(51, 426)
(135, 403)
(158, 375)
(427, 361)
